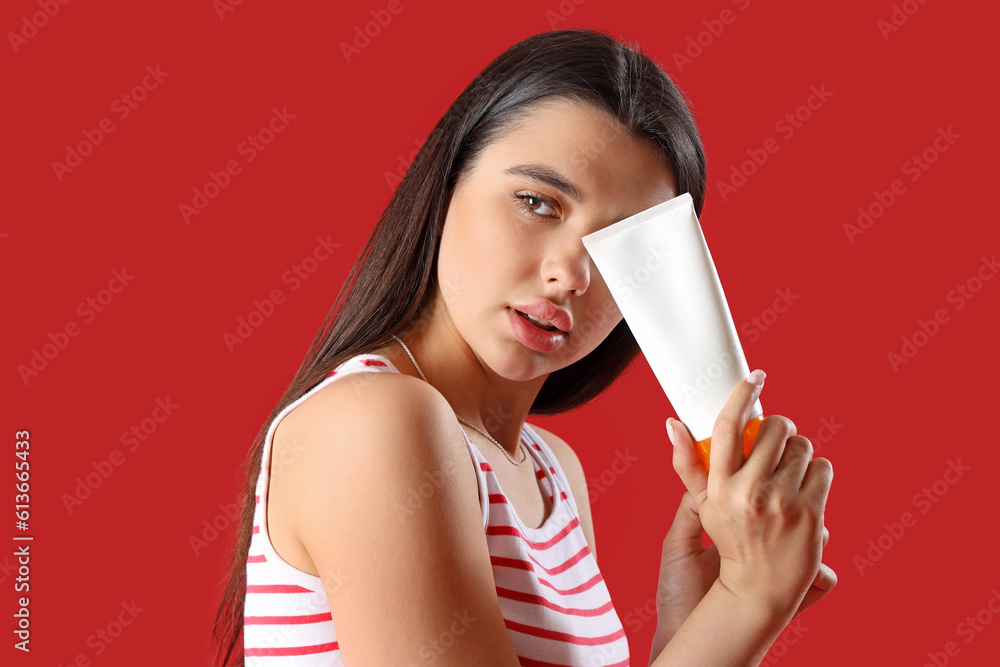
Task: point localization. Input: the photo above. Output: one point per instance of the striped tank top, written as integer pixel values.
(553, 598)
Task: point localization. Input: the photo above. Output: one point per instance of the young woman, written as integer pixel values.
(399, 509)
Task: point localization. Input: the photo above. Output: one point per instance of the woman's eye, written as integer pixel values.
(534, 206)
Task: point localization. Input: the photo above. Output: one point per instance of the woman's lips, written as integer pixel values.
(531, 335)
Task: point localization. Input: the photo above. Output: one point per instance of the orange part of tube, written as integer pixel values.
(704, 447)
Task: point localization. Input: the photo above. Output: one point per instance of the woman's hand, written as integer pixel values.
(687, 571)
(764, 515)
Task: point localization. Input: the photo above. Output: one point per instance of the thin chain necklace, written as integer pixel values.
(478, 430)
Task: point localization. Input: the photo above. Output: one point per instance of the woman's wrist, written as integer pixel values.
(724, 629)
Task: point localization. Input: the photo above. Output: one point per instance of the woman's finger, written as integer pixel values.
(818, 479)
(769, 447)
(726, 455)
(684, 536)
(794, 461)
(824, 582)
(686, 462)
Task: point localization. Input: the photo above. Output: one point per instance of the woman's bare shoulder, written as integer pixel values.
(363, 393)
(366, 422)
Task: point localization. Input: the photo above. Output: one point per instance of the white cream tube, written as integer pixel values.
(659, 270)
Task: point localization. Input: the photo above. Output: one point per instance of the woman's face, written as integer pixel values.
(513, 230)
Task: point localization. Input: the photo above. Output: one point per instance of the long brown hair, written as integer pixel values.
(393, 276)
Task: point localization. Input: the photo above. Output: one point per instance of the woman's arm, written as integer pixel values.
(384, 506)
(764, 514)
(723, 631)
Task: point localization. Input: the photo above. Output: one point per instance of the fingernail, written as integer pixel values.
(670, 432)
(757, 377)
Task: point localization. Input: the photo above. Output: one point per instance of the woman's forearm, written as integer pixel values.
(722, 631)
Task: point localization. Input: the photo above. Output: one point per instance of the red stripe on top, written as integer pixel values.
(290, 650)
(260, 558)
(564, 636)
(548, 544)
(518, 564)
(276, 588)
(539, 600)
(256, 529)
(585, 586)
(499, 498)
(296, 620)
(580, 555)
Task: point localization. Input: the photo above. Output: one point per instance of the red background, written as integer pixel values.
(325, 175)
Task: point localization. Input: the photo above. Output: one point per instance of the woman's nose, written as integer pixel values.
(568, 264)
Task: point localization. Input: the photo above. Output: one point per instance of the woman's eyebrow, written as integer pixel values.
(545, 174)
